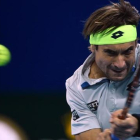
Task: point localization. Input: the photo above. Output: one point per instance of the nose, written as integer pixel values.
(119, 62)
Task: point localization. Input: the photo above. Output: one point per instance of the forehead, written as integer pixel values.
(123, 46)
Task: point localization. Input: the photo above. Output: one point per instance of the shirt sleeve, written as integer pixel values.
(82, 118)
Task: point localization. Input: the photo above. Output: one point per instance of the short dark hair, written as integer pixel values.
(96, 47)
(115, 14)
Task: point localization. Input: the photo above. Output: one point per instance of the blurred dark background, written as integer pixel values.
(46, 43)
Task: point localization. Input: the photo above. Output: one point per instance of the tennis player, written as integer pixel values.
(99, 86)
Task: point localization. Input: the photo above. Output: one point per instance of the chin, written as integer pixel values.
(116, 79)
(117, 76)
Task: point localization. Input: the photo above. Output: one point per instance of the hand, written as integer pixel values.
(123, 129)
(106, 135)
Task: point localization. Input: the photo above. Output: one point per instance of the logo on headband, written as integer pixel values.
(117, 34)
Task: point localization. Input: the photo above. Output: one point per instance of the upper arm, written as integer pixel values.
(88, 135)
(83, 120)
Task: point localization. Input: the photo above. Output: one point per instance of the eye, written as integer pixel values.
(110, 52)
(129, 51)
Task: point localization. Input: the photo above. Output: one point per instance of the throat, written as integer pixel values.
(95, 72)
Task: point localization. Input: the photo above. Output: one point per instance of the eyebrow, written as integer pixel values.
(117, 52)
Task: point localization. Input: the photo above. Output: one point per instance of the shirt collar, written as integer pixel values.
(85, 71)
(88, 62)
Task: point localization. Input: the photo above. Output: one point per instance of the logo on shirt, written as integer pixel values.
(117, 34)
(93, 106)
(75, 115)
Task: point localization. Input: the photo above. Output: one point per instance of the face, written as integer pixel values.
(115, 61)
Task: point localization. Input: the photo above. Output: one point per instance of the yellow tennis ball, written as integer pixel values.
(5, 55)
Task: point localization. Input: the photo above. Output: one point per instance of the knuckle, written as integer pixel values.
(107, 131)
(101, 134)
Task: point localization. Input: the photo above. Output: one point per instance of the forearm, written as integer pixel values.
(137, 116)
(88, 135)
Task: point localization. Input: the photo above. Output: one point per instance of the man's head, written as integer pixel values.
(115, 61)
(113, 35)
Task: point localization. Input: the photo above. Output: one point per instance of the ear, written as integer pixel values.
(92, 48)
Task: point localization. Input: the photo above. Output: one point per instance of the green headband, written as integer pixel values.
(122, 34)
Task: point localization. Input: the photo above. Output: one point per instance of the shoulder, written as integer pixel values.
(75, 77)
(78, 74)
(73, 86)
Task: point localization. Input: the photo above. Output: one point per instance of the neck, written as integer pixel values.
(95, 72)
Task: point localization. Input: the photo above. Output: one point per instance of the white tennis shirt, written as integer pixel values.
(93, 100)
